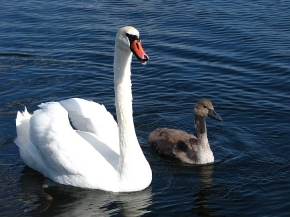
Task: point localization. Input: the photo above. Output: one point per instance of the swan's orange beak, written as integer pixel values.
(138, 51)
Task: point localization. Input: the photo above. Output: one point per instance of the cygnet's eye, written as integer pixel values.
(204, 106)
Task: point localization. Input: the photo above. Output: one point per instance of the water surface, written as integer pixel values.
(235, 54)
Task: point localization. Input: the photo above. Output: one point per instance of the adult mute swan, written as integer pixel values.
(99, 154)
(186, 147)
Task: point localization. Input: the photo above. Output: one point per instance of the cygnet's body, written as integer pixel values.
(183, 146)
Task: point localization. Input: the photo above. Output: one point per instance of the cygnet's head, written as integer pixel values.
(128, 39)
(204, 108)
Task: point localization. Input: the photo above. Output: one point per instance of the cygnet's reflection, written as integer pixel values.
(204, 192)
(61, 200)
(205, 175)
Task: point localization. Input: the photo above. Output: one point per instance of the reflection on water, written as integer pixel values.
(205, 175)
(186, 189)
(204, 193)
(61, 200)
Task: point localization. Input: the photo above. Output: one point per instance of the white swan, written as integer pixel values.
(99, 154)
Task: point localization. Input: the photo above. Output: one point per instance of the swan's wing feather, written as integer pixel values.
(66, 157)
(110, 152)
(91, 117)
(22, 128)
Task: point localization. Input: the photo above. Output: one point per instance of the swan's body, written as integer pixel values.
(99, 154)
(183, 146)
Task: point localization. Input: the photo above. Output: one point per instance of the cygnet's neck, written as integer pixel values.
(204, 153)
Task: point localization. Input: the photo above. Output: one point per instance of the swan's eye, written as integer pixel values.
(132, 37)
(204, 106)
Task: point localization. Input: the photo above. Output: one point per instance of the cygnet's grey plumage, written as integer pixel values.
(183, 146)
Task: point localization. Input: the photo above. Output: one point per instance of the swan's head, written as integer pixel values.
(128, 38)
(204, 108)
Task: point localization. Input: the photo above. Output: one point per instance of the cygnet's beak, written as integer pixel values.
(214, 115)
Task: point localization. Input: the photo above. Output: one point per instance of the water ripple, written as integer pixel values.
(234, 53)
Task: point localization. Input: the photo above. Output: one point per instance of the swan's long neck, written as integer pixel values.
(129, 146)
(204, 153)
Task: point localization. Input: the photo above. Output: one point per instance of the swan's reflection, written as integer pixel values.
(61, 200)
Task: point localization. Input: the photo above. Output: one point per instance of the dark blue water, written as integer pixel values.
(237, 54)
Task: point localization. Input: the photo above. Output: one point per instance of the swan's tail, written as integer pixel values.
(22, 128)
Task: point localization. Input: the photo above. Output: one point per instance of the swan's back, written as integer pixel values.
(173, 143)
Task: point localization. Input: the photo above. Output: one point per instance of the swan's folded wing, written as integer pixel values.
(91, 117)
(60, 153)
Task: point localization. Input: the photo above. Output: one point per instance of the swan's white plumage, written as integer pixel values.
(22, 127)
(96, 153)
(88, 116)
